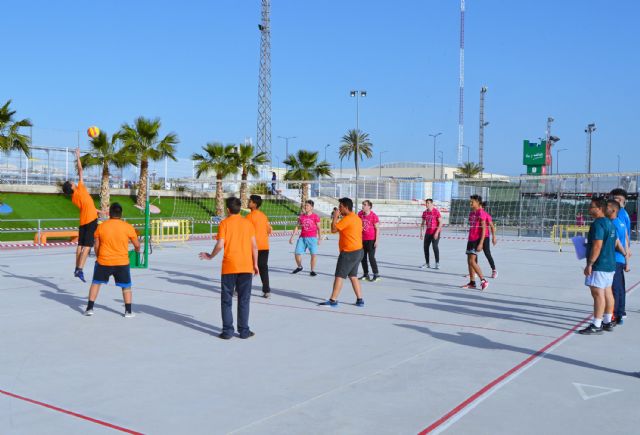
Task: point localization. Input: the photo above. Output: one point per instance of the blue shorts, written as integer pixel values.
(121, 275)
(304, 243)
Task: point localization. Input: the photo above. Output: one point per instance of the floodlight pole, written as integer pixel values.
(434, 136)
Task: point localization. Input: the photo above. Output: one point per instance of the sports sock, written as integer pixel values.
(127, 308)
(90, 305)
(597, 322)
(607, 318)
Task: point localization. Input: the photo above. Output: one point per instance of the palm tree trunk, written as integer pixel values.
(142, 184)
(243, 191)
(305, 194)
(105, 192)
(219, 197)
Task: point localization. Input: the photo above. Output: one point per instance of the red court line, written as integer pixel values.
(74, 414)
(436, 424)
(375, 316)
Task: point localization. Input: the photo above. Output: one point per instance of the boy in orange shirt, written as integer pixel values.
(351, 253)
(112, 251)
(88, 218)
(263, 229)
(240, 262)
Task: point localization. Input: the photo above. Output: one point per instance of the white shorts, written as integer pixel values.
(599, 279)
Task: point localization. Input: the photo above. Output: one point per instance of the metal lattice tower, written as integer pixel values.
(483, 124)
(264, 82)
(461, 102)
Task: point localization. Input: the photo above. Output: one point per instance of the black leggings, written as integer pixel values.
(486, 247)
(263, 268)
(430, 241)
(369, 252)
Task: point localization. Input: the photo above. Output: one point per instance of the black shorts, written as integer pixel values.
(348, 263)
(86, 233)
(472, 245)
(121, 275)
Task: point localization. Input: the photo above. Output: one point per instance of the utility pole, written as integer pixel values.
(461, 79)
(483, 124)
(434, 136)
(547, 151)
(589, 130)
(264, 82)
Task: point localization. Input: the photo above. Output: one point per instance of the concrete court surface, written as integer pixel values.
(423, 354)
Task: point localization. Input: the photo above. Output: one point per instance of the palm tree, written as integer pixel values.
(10, 138)
(103, 153)
(469, 170)
(220, 159)
(143, 141)
(304, 166)
(356, 143)
(248, 164)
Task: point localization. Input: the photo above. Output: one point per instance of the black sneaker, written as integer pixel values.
(313, 273)
(296, 270)
(249, 335)
(608, 326)
(591, 330)
(224, 336)
(364, 278)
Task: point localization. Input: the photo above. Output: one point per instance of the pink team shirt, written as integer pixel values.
(489, 220)
(309, 225)
(368, 225)
(475, 224)
(430, 219)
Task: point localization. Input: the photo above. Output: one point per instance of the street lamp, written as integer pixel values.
(286, 149)
(589, 130)
(434, 136)
(357, 95)
(441, 153)
(325, 151)
(381, 153)
(558, 159)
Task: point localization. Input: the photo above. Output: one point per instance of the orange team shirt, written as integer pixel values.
(114, 236)
(263, 229)
(236, 232)
(350, 228)
(84, 202)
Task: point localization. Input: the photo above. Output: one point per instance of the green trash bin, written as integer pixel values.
(136, 260)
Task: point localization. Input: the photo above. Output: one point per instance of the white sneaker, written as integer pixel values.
(437, 266)
(129, 315)
(88, 313)
(425, 266)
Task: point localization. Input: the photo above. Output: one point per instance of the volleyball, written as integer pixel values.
(93, 132)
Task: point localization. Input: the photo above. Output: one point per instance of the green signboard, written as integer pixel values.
(533, 154)
(534, 170)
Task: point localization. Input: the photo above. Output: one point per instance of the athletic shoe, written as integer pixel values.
(470, 284)
(620, 321)
(88, 313)
(296, 270)
(437, 266)
(494, 274)
(591, 330)
(313, 273)
(359, 302)
(608, 326)
(624, 316)
(484, 284)
(224, 336)
(364, 277)
(425, 266)
(249, 335)
(375, 278)
(266, 295)
(79, 274)
(129, 314)
(329, 303)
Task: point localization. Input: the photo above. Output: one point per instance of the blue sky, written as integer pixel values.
(194, 64)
